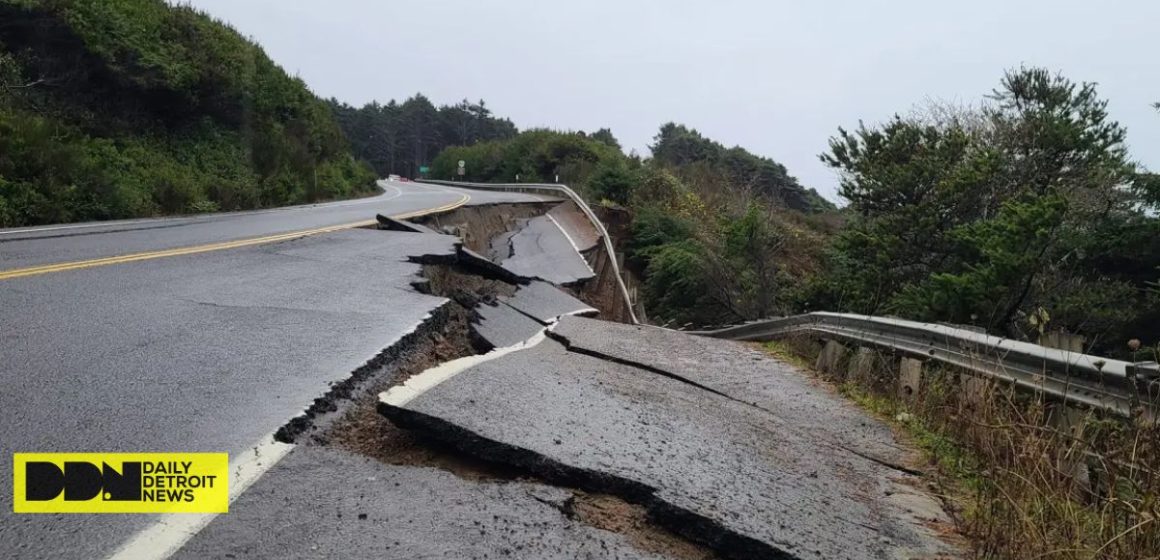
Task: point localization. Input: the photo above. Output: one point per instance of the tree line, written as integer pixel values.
(714, 229)
(1021, 214)
(399, 138)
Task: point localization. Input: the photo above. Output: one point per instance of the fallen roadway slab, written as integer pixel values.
(738, 372)
(579, 229)
(546, 303)
(502, 325)
(716, 470)
(329, 503)
(541, 249)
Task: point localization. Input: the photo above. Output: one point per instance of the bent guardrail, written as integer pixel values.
(552, 189)
(1115, 386)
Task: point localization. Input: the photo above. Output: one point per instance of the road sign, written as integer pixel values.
(461, 171)
(462, 163)
(424, 169)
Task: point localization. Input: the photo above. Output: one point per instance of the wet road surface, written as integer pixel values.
(211, 351)
(753, 481)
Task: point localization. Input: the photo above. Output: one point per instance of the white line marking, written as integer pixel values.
(566, 236)
(170, 532)
(573, 243)
(400, 395)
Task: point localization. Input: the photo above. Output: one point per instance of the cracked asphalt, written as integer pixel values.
(204, 352)
(748, 480)
(326, 503)
(214, 351)
(542, 249)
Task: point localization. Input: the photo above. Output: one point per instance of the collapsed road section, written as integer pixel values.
(741, 472)
(511, 424)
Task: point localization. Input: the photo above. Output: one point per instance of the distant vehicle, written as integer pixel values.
(404, 179)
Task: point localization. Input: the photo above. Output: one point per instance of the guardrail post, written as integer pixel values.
(862, 366)
(975, 390)
(830, 357)
(909, 378)
(1070, 422)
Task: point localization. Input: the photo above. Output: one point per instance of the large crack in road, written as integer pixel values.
(599, 440)
(390, 488)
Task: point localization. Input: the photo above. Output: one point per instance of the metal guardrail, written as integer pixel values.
(552, 189)
(1114, 386)
(1111, 385)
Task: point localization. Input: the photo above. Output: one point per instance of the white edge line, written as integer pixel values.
(412, 388)
(570, 241)
(170, 532)
(576, 313)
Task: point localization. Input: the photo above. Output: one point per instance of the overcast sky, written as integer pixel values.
(777, 78)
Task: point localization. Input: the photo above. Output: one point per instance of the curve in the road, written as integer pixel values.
(190, 250)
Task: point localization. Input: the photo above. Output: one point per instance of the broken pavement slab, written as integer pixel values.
(741, 373)
(328, 503)
(579, 229)
(392, 224)
(712, 468)
(501, 325)
(539, 248)
(546, 303)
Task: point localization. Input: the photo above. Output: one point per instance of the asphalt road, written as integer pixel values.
(361, 508)
(738, 466)
(186, 334)
(542, 249)
(30, 247)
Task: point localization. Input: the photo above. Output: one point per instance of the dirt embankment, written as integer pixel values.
(480, 226)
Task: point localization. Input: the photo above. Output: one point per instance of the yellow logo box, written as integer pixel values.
(121, 482)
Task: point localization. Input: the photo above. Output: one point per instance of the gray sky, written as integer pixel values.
(777, 78)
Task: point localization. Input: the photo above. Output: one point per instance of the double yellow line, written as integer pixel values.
(120, 259)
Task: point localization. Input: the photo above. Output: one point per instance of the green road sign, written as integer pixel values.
(424, 169)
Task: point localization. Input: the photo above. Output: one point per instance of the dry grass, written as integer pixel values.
(1027, 479)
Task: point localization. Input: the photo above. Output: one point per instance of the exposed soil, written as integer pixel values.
(611, 513)
(359, 427)
(477, 225)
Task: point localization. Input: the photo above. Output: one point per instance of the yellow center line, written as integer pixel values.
(120, 259)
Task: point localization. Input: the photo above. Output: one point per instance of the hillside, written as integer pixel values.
(126, 108)
(717, 235)
(684, 148)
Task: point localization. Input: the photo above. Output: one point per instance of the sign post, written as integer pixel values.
(461, 171)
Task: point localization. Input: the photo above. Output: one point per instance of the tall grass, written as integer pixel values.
(1025, 477)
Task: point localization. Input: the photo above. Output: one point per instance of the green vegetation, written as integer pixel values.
(399, 138)
(681, 147)
(713, 237)
(536, 155)
(1018, 482)
(125, 108)
(1023, 215)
